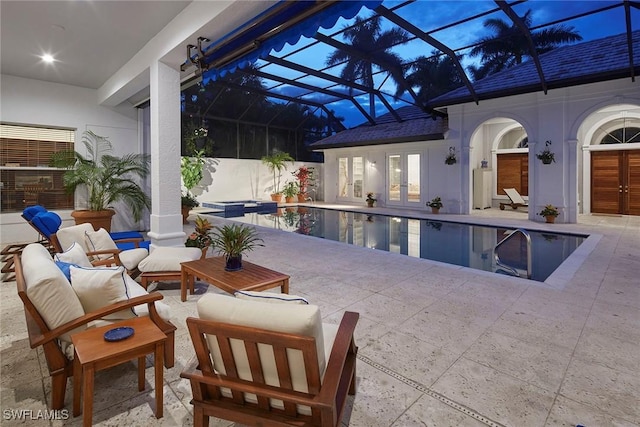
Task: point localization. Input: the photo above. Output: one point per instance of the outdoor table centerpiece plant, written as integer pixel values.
(435, 204)
(549, 212)
(232, 241)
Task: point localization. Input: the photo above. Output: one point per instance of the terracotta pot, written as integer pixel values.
(435, 210)
(550, 219)
(185, 214)
(370, 204)
(289, 199)
(276, 198)
(99, 219)
(302, 197)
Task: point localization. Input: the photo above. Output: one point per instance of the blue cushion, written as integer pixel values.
(65, 267)
(117, 235)
(130, 245)
(47, 223)
(30, 211)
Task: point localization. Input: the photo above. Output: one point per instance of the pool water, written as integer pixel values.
(450, 242)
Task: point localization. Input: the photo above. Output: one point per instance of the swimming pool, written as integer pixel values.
(461, 244)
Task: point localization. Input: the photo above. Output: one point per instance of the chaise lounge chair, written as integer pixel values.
(516, 199)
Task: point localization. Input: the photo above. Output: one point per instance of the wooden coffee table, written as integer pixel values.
(252, 277)
(93, 353)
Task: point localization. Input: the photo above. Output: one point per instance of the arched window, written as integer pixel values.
(622, 136)
(625, 130)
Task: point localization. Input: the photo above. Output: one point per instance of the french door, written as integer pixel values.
(351, 179)
(403, 179)
(615, 182)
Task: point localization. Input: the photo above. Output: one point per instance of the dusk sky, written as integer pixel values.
(432, 16)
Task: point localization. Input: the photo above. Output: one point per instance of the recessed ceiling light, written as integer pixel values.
(47, 58)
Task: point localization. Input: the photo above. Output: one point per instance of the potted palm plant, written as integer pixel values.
(435, 204)
(107, 179)
(232, 241)
(277, 162)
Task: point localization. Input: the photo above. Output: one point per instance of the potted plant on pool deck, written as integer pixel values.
(107, 178)
(549, 212)
(290, 191)
(277, 162)
(304, 175)
(435, 204)
(232, 241)
(201, 237)
(371, 200)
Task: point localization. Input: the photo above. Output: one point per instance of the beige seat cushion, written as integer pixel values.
(49, 290)
(299, 319)
(168, 259)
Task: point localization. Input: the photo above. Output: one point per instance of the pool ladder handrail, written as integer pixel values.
(512, 270)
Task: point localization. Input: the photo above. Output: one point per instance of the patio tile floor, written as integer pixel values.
(439, 345)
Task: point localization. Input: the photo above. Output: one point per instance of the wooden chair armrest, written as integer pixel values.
(342, 347)
(135, 240)
(54, 334)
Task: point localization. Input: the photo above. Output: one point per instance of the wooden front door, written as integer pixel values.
(615, 182)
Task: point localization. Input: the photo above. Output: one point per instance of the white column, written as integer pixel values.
(571, 166)
(166, 217)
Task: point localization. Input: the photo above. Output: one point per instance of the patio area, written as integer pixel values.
(439, 345)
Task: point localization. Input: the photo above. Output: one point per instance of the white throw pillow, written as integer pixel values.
(74, 255)
(135, 290)
(100, 241)
(49, 290)
(99, 287)
(270, 297)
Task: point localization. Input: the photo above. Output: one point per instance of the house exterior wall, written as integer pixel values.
(565, 117)
(35, 102)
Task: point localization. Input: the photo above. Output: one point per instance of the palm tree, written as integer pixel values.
(509, 46)
(434, 75)
(367, 37)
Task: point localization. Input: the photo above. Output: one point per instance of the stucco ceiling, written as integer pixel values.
(89, 39)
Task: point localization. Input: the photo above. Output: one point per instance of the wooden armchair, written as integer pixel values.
(52, 339)
(262, 377)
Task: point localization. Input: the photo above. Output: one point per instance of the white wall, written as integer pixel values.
(36, 102)
(239, 179)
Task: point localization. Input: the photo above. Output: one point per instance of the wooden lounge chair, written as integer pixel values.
(260, 377)
(515, 198)
(53, 314)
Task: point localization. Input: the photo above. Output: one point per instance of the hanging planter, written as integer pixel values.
(546, 155)
(451, 157)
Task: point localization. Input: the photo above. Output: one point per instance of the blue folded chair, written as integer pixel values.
(47, 223)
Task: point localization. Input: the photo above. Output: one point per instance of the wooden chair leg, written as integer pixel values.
(58, 389)
(199, 417)
(169, 359)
